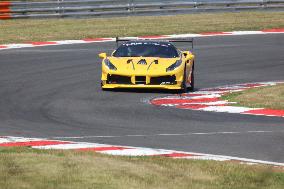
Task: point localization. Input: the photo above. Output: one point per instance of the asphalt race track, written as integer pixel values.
(54, 92)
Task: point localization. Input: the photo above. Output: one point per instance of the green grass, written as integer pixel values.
(37, 169)
(26, 30)
(263, 97)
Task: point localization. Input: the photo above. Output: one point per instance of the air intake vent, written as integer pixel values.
(117, 79)
(163, 80)
(142, 61)
(140, 80)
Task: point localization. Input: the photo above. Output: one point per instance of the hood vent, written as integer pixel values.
(142, 62)
(131, 61)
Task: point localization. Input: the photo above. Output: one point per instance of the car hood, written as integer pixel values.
(141, 65)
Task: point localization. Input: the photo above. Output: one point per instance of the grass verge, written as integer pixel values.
(263, 97)
(16, 31)
(28, 168)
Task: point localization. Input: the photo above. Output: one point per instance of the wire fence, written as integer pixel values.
(84, 8)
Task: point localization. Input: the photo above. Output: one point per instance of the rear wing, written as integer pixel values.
(117, 40)
(183, 41)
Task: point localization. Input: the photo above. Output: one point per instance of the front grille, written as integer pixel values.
(140, 80)
(163, 80)
(117, 79)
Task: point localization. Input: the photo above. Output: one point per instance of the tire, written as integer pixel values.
(183, 85)
(191, 88)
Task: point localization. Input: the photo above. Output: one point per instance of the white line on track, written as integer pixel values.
(170, 134)
(128, 150)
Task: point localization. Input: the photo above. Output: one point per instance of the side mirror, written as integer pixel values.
(191, 56)
(188, 55)
(103, 55)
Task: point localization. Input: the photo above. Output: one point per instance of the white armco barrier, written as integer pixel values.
(83, 8)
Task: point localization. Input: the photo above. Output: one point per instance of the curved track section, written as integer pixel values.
(54, 92)
(210, 100)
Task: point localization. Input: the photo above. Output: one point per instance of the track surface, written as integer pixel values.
(55, 92)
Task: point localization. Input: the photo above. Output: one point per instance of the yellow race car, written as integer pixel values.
(148, 64)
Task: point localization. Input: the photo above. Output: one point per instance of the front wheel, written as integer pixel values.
(191, 88)
(184, 88)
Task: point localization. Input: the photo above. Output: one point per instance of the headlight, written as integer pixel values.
(109, 64)
(174, 65)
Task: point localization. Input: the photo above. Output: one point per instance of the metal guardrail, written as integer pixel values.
(82, 8)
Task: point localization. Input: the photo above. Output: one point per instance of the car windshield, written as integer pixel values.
(146, 49)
